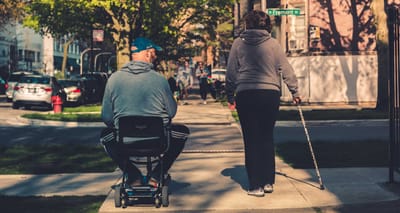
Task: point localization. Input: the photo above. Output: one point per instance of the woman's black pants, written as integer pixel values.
(257, 111)
(203, 88)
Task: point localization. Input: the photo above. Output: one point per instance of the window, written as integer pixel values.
(20, 55)
(29, 55)
(38, 57)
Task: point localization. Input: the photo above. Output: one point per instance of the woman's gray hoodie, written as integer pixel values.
(137, 89)
(256, 61)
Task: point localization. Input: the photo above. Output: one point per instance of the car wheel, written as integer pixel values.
(15, 106)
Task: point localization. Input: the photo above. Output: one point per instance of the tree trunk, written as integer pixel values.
(122, 26)
(123, 52)
(379, 9)
(65, 55)
(355, 34)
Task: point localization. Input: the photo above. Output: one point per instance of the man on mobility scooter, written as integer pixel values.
(138, 90)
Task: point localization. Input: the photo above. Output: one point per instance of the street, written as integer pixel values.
(13, 133)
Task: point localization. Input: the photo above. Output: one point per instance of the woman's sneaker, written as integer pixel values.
(258, 192)
(268, 188)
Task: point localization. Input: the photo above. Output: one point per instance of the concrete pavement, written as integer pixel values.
(209, 177)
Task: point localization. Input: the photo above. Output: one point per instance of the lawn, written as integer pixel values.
(53, 159)
(335, 154)
(59, 204)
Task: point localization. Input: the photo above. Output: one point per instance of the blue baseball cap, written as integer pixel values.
(141, 43)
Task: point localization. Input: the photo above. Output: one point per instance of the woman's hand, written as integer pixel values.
(232, 106)
(297, 100)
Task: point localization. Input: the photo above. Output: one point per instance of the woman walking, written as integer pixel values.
(202, 75)
(256, 62)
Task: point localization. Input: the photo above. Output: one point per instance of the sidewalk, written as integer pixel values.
(215, 180)
(210, 177)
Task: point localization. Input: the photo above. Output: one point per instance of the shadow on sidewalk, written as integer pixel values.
(238, 174)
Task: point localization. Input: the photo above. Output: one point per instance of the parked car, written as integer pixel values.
(36, 90)
(96, 84)
(12, 80)
(3, 86)
(75, 90)
(218, 74)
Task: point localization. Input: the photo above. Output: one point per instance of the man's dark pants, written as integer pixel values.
(178, 138)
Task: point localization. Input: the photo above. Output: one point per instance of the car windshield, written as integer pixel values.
(65, 83)
(34, 80)
(15, 77)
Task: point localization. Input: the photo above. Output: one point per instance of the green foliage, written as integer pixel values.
(60, 18)
(124, 20)
(11, 10)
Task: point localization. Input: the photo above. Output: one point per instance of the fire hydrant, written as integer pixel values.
(57, 104)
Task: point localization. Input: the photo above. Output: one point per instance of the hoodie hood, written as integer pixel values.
(137, 67)
(255, 37)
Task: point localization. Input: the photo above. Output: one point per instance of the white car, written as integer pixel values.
(218, 74)
(75, 89)
(36, 90)
(12, 81)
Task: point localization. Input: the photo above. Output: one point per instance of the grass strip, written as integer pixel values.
(335, 154)
(60, 204)
(53, 159)
(84, 108)
(67, 117)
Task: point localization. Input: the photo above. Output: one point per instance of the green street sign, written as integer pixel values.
(283, 12)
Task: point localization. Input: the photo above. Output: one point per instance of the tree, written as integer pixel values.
(125, 20)
(70, 19)
(382, 50)
(11, 10)
(199, 22)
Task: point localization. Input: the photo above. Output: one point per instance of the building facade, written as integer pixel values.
(22, 49)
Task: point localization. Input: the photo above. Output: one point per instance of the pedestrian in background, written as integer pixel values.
(256, 62)
(202, 75)
(185, 79)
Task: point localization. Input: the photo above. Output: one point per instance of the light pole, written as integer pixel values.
(81, 58)
(95, 58)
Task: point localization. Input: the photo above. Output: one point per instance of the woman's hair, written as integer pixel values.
(257, 19)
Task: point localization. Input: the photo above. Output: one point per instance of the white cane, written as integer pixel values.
(321, 186)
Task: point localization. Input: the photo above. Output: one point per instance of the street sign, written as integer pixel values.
(283, 12)
(98, 35)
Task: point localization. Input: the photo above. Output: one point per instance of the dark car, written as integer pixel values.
(75, 90)
(95, 83)
(3, 86)
(36, 90)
